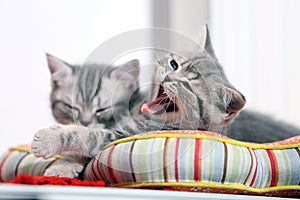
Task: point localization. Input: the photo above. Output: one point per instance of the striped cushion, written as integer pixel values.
(200, 161)
(18, 161)
(182, 160)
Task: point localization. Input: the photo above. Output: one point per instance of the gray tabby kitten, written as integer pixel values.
(93, 96)
(252, 126)
(190, 92)
(87, 95)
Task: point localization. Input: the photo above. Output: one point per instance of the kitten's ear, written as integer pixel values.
(60, 71)
(208, 46)
(234, 102)
(128, 72)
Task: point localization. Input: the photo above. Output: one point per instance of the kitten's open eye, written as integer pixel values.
(174, 65)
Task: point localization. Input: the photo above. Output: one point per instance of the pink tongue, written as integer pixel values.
(155, 106)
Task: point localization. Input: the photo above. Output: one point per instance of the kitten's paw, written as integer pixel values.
(47, 142)
(64, 169)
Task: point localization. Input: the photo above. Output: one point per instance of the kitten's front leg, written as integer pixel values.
(59, 138)
(80, 139)
(69, 165)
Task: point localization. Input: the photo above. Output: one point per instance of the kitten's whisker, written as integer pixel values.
(174, 109)
(155, 61)
(158, 104)
(156, 56)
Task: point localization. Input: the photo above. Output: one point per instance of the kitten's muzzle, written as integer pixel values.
(163, 103)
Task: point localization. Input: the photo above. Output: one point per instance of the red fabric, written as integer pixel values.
(53, 180)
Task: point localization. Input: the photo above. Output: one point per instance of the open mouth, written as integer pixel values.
(161, 104)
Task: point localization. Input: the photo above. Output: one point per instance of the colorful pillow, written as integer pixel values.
(200, 162)
(18, 160)
(194, 161)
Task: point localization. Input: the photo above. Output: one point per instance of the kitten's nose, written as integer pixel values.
(167, 79)
(85, 123)
(86, 120)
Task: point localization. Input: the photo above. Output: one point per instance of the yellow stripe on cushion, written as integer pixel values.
(208, 136)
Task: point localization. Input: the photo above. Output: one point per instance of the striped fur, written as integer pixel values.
(90, 95)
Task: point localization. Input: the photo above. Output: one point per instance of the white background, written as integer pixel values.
(258, 44)
(68, 29)
(257, 41)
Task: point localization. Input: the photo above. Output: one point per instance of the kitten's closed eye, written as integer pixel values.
(101, 110)
(72, 109)
(64, 112)
(105, 115)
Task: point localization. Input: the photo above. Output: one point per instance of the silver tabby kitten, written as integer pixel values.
(190, 92)
(93, 95)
